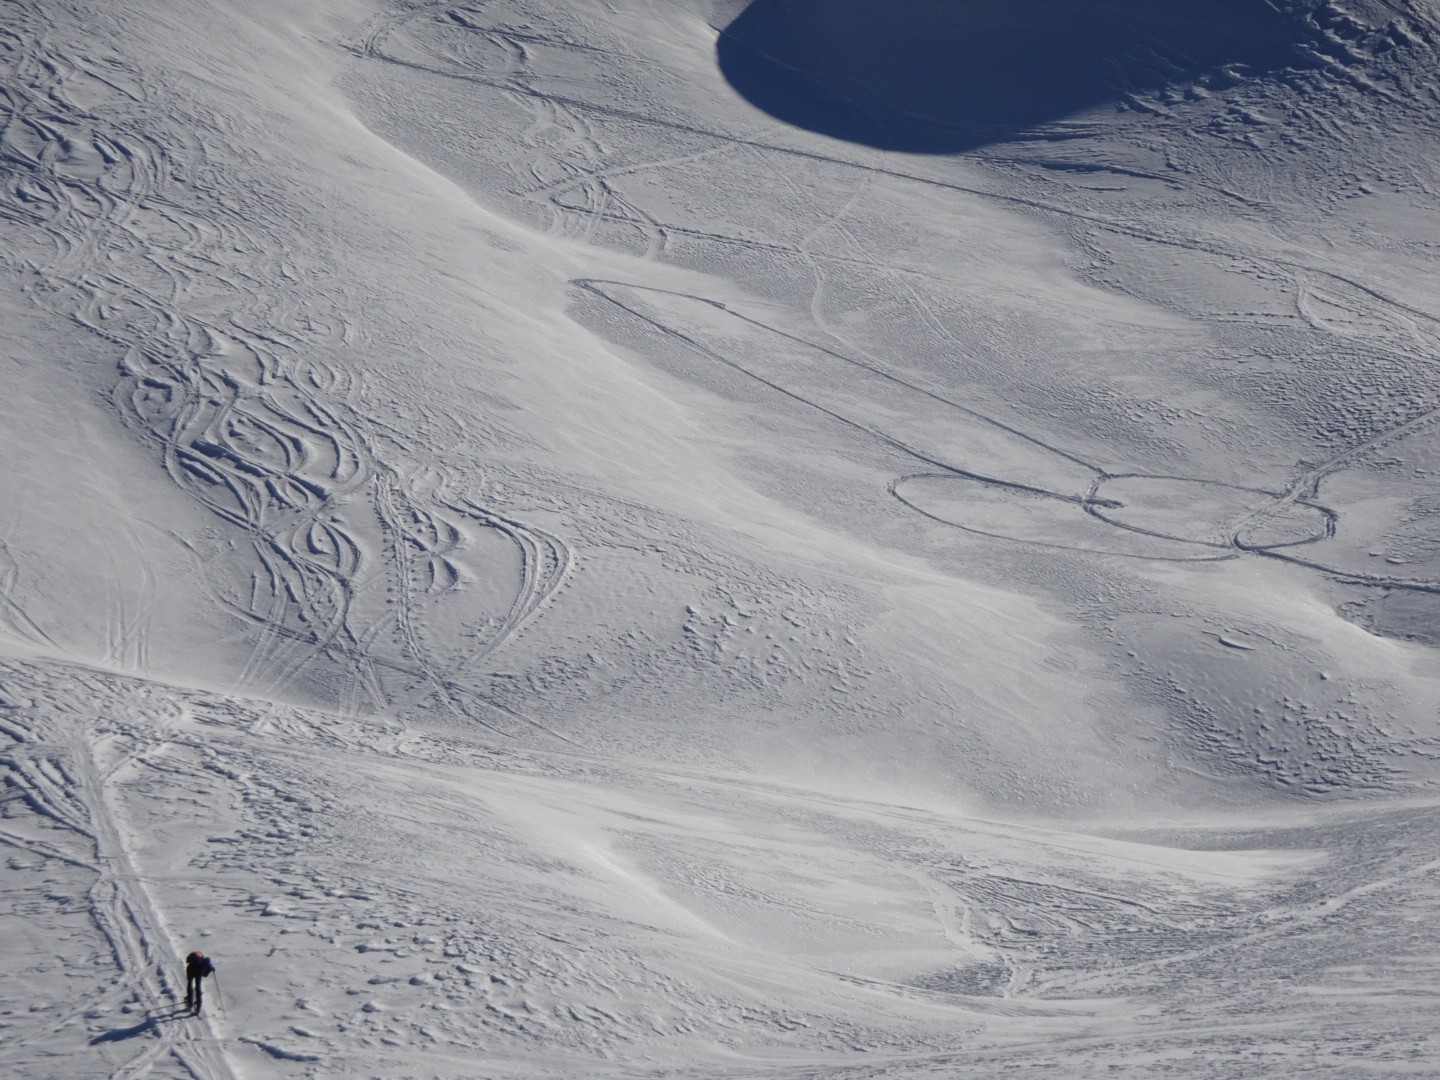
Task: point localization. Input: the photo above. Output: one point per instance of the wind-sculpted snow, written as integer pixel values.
(719, 539)
(547, 915)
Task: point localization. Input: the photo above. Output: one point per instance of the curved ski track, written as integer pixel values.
(458, 43)
(252, 416)
(123, 226)
(1090, 502)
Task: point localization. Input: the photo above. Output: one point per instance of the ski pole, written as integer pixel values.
(218, 996)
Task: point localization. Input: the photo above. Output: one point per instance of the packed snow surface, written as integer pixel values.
(669, 538)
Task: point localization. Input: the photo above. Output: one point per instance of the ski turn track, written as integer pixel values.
(253, 415)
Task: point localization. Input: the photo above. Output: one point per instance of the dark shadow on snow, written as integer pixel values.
(946, 76)
(149, 1024)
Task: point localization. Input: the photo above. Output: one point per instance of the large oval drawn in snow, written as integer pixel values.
(945, 76)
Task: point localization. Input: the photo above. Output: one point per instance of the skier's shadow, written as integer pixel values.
(149, 1024)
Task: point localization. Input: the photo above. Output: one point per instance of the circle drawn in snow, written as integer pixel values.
(1136, 516)
(1029, 516)
(1207, 512)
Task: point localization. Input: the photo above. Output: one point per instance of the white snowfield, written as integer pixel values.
(667, 538)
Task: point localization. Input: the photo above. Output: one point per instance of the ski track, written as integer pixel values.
(51, 767)
(587, 197)
(259, 426)
(257, 420)
(1039, 925)
(1089, 501)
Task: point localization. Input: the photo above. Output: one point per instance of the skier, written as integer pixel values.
(197, 966)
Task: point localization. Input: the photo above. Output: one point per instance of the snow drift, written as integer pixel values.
(630, 539)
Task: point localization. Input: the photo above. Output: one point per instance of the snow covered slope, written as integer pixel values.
(669, 538)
